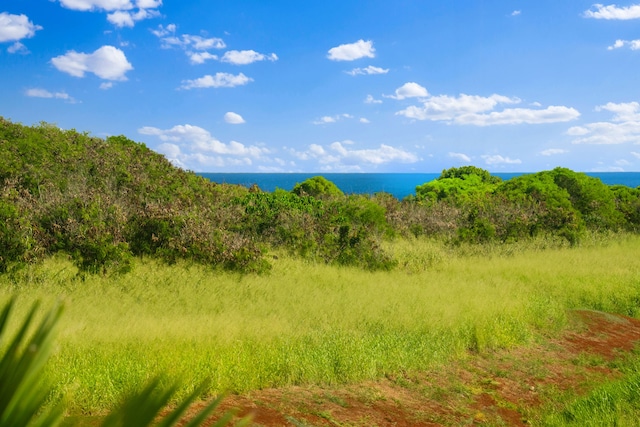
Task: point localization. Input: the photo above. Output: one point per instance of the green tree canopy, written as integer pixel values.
(317, 186)
(458, 185)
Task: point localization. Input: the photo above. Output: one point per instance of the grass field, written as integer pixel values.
(308, 323)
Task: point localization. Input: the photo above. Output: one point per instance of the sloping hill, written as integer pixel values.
(103, 201)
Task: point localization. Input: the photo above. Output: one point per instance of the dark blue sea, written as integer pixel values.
(399, 185)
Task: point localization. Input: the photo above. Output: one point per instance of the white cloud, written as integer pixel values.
(624, 126)
(477, 110)
(383, 154)
(124, 13)
(516, 12)
(43, 93)
(331, 119)
(352, 51)
(497, 159)
(367, 71)
(364, 120)
(149, 4)
(188, 41)
(371, 100)
(553, 151)
(16, 27)
(410, 90)
(244, 57)
(200, 57)
(195, 47)
(599, 11)
(460, 157)
(187, 144)
(164, 31)
(635, 154)
(107, 62)
(219, 80)
(233, 118)
(444, 107)
(123, 18)
(339, 156)
(106, 85)
(18, 47)
(90, 5)
(324, 120)
(515, 116)
(202, 43)
(633, 44)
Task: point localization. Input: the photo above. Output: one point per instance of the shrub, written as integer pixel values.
(16, 238)
(317, 186)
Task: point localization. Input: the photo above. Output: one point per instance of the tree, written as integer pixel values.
(317, 186)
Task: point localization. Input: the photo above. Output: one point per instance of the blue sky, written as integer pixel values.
(334, 86)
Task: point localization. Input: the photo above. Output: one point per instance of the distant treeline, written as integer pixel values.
(104, 201)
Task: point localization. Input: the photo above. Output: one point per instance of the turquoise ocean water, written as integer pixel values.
(399, 185)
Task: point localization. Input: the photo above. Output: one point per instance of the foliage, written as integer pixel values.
(317, 186)
(342, 230)
(460, 185)
(16, 238)
(23, 395)
(103, 202)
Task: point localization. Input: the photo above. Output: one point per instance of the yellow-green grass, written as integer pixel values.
(311, 323)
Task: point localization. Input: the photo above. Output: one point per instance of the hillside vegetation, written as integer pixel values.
(104, 201)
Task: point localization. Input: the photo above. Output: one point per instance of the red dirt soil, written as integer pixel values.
(500, 387)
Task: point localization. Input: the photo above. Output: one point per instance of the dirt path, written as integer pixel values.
(497, 388)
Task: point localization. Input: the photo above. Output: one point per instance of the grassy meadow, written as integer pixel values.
(307, 322)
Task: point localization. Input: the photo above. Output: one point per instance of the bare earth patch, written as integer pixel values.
(497, 388)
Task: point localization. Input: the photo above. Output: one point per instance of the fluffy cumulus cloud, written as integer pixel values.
(479, 110)
(340, 156)
(367, 71)
(352, 51)
(233, 118)
(43, 93)
(612, 11)
(107, 62)
(410, 90)
(623, 127)
(14, 28)
(632, 44)
(216, 81)
(123, 13)
(193, 146)
(244, 57)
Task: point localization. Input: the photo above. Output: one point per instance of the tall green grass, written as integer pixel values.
(616, 403)
(311, 323)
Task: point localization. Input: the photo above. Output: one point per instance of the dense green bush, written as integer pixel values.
(103, 202)
(459, 185)
(317, 186)
(16, 238)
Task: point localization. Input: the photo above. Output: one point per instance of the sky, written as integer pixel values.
(413, 86)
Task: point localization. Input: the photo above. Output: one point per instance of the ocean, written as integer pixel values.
(399, 185)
